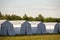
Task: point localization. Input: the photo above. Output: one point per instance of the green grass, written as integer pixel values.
(32, 37)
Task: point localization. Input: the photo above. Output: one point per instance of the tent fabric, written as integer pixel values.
(57, 28)
(41, 28)
(25, 28)
(7, 28)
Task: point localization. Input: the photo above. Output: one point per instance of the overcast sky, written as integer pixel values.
(48, 8)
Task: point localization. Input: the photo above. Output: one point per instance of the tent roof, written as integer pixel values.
(17, 22)
(1, 21)
(34, 23)
(50, 23)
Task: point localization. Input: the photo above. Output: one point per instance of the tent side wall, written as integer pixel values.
(25, 28)
(41, 28)
(3, 30)
(57, 28)
(7, 28)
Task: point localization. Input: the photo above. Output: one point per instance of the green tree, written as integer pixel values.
(40, 17)
(7, 17)
(25, 17)
(49, 19)
(58, 20)
(31, 18)
(36, 19)
(0, 14)
(15, 17)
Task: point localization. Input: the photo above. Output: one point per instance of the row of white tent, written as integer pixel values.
(27, 27)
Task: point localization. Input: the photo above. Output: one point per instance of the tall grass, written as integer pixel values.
(32, 37)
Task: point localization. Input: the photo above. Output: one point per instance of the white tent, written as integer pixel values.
(34, 26)
(57, 28)
(1, 21)
(50, 27)
(17, 25)
(41, 28)
(7, 28)
(25, 28)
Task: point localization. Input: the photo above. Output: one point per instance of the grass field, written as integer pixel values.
(32, 37)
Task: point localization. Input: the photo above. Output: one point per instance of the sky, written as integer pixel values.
(48, 8)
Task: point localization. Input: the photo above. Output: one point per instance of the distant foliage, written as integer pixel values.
(0, 15)
(49, 19)
(31, 18)
(40, 17)
(25, 17)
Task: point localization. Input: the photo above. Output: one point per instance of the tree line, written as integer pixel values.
(25, 17)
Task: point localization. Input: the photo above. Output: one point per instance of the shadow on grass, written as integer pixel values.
(26, 35)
